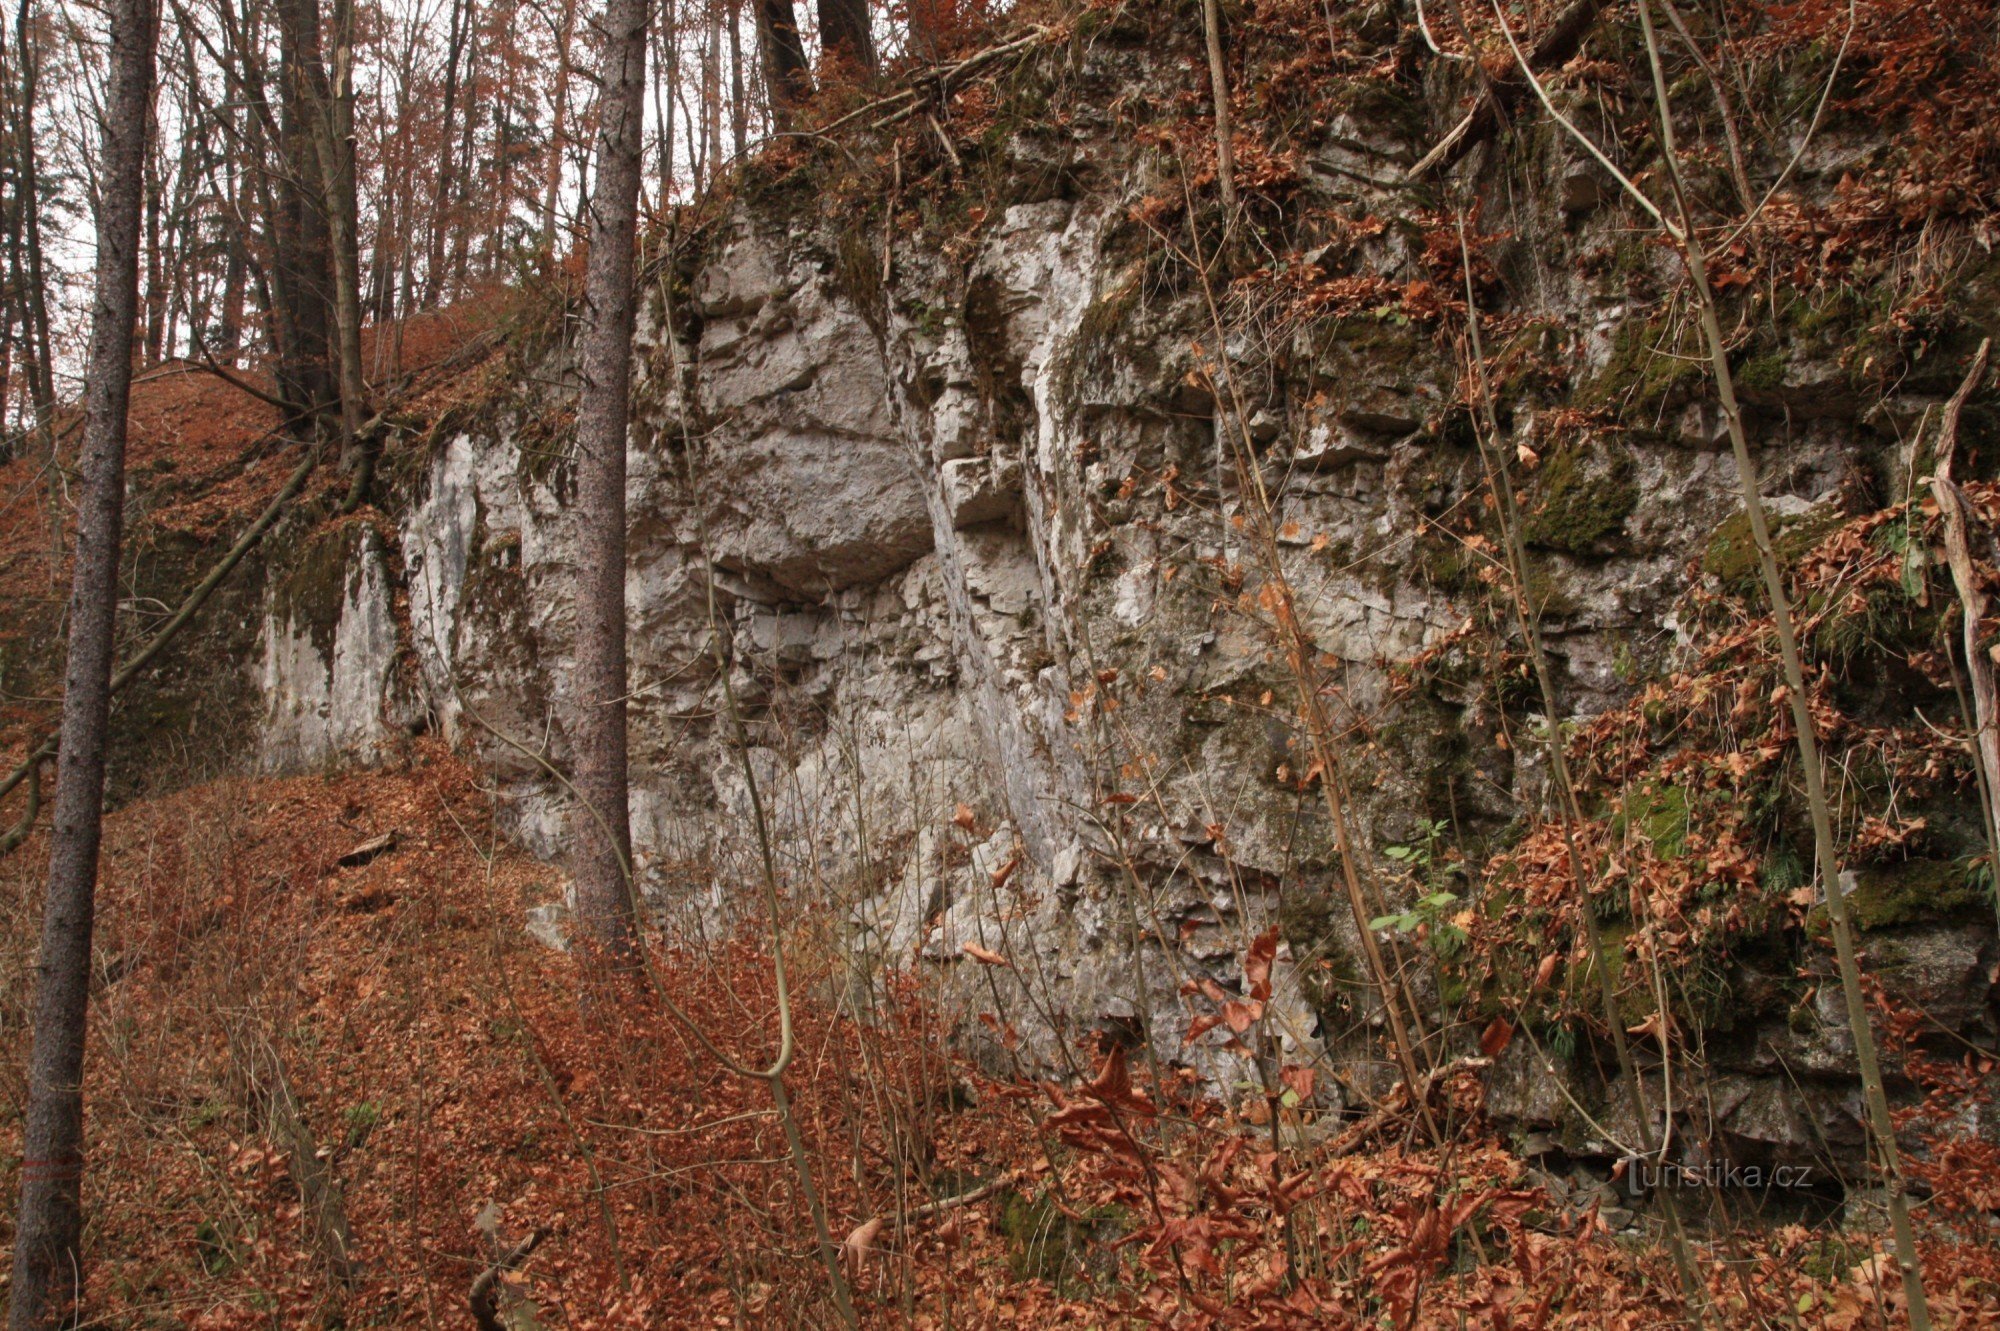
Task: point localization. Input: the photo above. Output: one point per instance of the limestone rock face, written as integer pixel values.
(328, 671)
(965, 522)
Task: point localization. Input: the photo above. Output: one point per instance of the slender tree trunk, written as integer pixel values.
(331, 105)
(739, 112)
(461, 23)
(666, 80)
(35, 311)
(229, 335)
(558, 131)
(156, 265)
(47, 1262)
(1218, 86)
(600, 825)
(13, 209)
(933, 25)
(461, 228)
(710, 148)
(300, 237)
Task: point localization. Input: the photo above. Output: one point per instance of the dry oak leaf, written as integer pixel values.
(982, 955)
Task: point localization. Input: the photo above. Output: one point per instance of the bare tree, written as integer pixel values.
(329, 103)
(47, 1260)
(558, 137)
(601, 828)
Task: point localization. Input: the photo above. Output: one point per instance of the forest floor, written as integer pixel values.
(330, 1080)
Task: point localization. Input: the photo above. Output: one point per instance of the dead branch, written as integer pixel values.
(1552, 50)
(1971, 599)
(485, 1315)
(929, 86)
(1398, 1103)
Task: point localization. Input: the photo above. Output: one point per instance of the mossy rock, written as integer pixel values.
(314, 588)
(1643, 374)
(1046, 1242)
(1326, 975)
(1660, 814)
(1731, 554)
(1915, 892)
(1762, 374)
(1584, 503)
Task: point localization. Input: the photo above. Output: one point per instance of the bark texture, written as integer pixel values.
(787, 80)
(601, 826)
(844, 34)
(47, 1263)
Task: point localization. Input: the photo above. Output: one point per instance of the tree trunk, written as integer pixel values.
(739, 112)
(331, 104)
(300, 238)
(709, 150)
(844, 36)
(666, 83)
(229, 336)
(933, 25)
(787, 81)
(40, 361)
(558, 129)
(600, 826)
(156, 264)
(461, 249)
(1218, 86)
(47, 1262)
(441, 209)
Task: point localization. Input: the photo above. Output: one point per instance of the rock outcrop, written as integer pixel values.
(965, 519)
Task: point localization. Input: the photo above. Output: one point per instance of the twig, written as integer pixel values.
(481, 1297)
(1985, 738)
(1563, 39)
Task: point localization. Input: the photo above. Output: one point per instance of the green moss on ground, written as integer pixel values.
(1046, 1242)
(1660, 814)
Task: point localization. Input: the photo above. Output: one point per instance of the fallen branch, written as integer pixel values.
(320, 1195)
(931, 84)
(19, 831)
(860, 1241)
(481, 1297)
(1399, 1103)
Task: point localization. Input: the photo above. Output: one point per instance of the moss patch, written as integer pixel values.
(1731, 555)
(312, 593)
(1046, 1243)
(1582, 505)
(1660, 814)
(1644, 373)
(1912, 892)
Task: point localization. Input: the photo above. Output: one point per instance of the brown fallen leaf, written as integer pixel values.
(859, 1244)
(983, 955)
